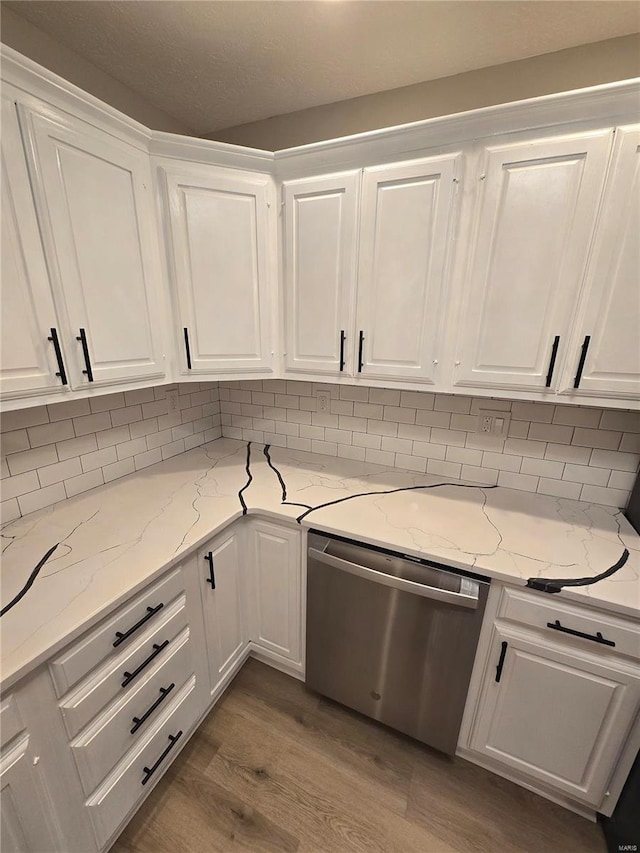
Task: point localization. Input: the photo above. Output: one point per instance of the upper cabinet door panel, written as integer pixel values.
(320, 233)
(220, 231)
(97, 210)
(537, 207)
(612, 300)
(27, 363)
(407, 217)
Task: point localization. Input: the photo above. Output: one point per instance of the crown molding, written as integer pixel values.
(212, 153)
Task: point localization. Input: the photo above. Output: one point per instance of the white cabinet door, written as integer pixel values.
(609, 333)
(405, 234)
(219, 261)
(275, 597)
(220, 568)
(95, 201)
(320, 233)
(28, 363)
(558, 715)
(28, 824)
(537, 207)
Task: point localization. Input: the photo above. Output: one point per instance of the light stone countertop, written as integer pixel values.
(118, 537)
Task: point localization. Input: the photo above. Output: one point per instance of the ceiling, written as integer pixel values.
(214, 65)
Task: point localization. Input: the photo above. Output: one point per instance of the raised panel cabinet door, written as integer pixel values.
(277, 591)
(405, 234)
(219, 566)
(95, 200)
(27, 824)
(609, 333)
(556, 714)
(537, 205)
(320, 231)
(28, 363)
(219, 262)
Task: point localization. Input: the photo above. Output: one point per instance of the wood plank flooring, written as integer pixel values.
(275, 767)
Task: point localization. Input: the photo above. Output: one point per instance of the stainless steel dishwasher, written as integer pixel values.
(392, 637)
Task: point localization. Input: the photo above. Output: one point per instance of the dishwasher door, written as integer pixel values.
(392, 638)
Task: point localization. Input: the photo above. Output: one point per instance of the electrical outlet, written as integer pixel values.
(172, 401)
(322, 398)
(493, 423)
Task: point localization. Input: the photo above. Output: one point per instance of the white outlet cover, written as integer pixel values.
(499, 422)
(322, 401)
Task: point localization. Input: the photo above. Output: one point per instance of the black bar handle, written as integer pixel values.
(187, 347)
(82, 337)
(129, 676)
(342, 340)
(212, 578)
(62, 373)
(583, 358)
(149, 771)
(360, 349)
(503, 654)
(552, 360)
(151, 611)
(138, 721)
(597, 637)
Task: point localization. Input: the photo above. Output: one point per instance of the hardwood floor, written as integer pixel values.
(275, 767)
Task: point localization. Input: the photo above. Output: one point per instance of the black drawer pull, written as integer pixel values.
(342, 340)
(187, 347)
(503, 654)
(552, 361)
(212, 578)
(583, 358)
(85, 351)
(120, 637)
(360, 350)
(138, 721)
(597, 638)
(149, 771)
(129, 676)
(62, 373)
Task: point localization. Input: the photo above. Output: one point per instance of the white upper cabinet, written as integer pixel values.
(28, 363)
(406, 226)
(219, 265)
(95, 201)
(537, 207)
(320, 231)
(608, 333)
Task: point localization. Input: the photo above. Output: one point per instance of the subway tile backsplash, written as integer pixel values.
(50, 453)
(564, 451)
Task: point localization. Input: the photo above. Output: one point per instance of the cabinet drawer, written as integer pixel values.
(122, 790)
(103, 745)
(107, 683)
(10, 720)
(537, 610)
(117, 632)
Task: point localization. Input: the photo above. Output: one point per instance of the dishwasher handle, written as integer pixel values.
(458, 599)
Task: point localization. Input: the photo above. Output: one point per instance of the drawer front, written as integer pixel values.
(10, 720)
(121, 792)
(128, 669)
(537, 610)
(99, 748)
(113, 635)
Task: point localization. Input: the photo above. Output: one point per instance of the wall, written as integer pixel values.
(41, 48)
(50, 453)
(574, 68)
(566, 451)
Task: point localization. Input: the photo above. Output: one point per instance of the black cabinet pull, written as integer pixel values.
(138, 721)
(62, 373)
(503, 654)
(129, 676)
(120, 637)
(552, 360)
(342, 340)
(187, 347)
(85, 351)
(597, 637)
(583, 358)
(360, 349)
(149, 771)
(212, 578)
